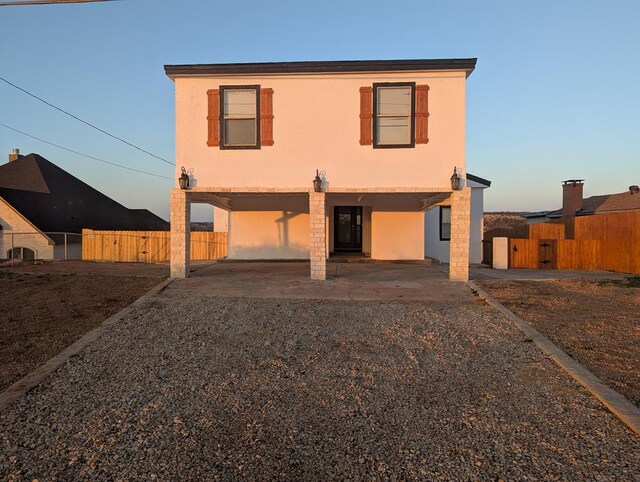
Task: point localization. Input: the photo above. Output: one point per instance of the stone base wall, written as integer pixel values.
(318, 235)
(180, 234)
(460, 235)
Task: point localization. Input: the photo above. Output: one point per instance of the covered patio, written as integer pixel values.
(300, 224)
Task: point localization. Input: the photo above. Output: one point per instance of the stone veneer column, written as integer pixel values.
(460, 235)
(317, 236)
(180, 233)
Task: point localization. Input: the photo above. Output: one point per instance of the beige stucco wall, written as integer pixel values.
(24, 234)
(397, 235)
(285, 235)
(268, 235)
(317, 126)
(220, 220)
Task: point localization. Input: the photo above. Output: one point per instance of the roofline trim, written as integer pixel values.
(322, 67)
(478, 179)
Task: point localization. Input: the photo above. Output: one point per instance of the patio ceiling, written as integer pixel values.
(299, 201)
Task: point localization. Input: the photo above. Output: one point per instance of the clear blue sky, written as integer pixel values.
(554, 95)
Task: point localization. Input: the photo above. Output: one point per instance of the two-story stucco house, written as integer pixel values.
(386, 137)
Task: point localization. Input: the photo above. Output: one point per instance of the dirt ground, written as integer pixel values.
(42, 313)
(597, 322)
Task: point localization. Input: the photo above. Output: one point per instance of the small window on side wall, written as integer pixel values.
(394, 115)
(445, 223)
(239, 116)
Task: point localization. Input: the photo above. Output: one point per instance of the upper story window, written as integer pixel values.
(394, 114)
(239, 117)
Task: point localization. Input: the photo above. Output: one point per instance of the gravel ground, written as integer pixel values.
(42, 314)
(597, 322)
(255, 389)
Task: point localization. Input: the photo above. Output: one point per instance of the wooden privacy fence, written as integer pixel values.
(148, 246)
(555, 253)
(603, 241)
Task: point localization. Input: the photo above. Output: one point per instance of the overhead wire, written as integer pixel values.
(85, 122)
(48, 2)
(84, 155)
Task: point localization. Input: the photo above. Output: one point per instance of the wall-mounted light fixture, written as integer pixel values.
(317, 182)
(456, 185)
(183, 180)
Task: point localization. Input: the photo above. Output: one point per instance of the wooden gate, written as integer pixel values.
(533, 253)
(547, 253)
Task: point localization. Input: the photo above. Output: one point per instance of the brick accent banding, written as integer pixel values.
(460, 235)
(180, 233)
(317, 235)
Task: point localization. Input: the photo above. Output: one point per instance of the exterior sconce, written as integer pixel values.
(184, 179)
(455, 180)
(317, 183)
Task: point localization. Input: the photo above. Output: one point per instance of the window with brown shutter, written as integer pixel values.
(422, 114)
(266, 117)
(240, 117)
(366, 105)
(213, 117)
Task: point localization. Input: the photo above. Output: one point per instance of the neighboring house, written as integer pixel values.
(39, 201)
(536, 217)
(386, 137)
(574, 204)
(437, 224)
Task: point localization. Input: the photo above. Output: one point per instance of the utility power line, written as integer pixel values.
(85, 155)
(49, 2)
(84, 121)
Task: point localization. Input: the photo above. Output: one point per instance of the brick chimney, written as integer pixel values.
(571, 197)
(15, 155)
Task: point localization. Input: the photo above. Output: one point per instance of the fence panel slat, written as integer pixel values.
(148, 246)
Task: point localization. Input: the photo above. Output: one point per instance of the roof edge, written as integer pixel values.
(322, 67)
(24, 218)
(478, 179)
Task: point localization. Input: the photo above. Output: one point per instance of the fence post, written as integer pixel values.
(500, 253)
(65, 246)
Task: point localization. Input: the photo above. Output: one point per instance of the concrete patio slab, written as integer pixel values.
(345, 281)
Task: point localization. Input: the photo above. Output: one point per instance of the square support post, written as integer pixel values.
(460, 235)
(317, 235)
(180, 234)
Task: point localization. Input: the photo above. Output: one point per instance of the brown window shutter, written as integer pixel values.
(213, 117)
(366, 112)
(266, 117)
(422, 114)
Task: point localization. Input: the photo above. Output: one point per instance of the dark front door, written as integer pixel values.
(347, 228)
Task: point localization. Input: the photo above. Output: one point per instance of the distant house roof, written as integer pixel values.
(478, 179)
(623, 201)
(54, 200)
(322, 67)
(537, 214)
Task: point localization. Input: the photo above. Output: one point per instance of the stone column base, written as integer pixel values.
(460, 235)
(317, 236)
(180, 234)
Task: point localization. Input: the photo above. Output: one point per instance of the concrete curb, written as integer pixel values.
(33, 379)
(616, 403)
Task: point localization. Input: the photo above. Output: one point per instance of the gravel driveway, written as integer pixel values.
(244, 388)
